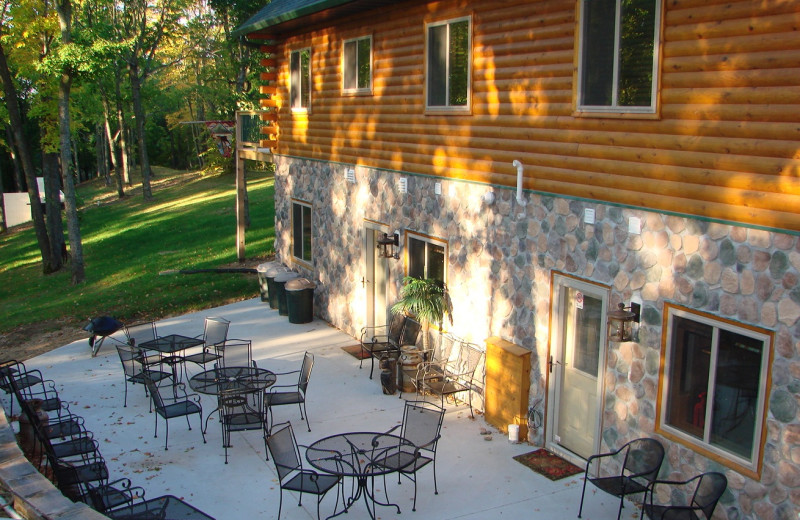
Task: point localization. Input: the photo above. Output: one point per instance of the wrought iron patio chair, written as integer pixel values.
(456, 375)
(377, 341)
(215, 332)
(237, 414)
(434, 361)
(422, 427)
(180, 405)
(278, 395)
(237, 353)
(638, 461)
(23, 377)
(687, 499)
(134, 365)
(72, 476)
(282, 446)
(42, 445)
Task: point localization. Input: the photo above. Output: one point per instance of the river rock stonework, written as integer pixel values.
(500, 258)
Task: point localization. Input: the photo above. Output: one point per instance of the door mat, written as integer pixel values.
(356, 351)
(545, 463)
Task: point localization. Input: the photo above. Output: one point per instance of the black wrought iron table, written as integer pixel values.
(232, 380)
(167, 507)
(169, 346)
(356, 455)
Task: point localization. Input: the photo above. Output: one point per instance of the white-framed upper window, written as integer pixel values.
(300, 80)
(357, 65)
(427, 257)
(301, 231)
(713, 391)
(618, 61)
(449, 64)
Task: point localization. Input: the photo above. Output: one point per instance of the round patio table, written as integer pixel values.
(232, 380)
(357, 455)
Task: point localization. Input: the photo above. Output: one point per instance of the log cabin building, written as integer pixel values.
(549, 160)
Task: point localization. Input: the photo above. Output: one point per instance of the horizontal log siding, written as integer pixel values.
(725, 144)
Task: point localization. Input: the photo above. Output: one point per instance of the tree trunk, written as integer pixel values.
(65, 84)
(52, 198)
(116, 162)
(3, 226)
(19, 176)
(15, 115)
(138, 111)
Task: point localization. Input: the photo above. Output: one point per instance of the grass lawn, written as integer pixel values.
(190, 223)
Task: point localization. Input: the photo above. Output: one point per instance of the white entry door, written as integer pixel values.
(577, 353)
(375, 278)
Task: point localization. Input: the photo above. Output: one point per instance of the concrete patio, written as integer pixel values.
(477, 479)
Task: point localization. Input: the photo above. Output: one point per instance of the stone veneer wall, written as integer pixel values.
(500, 260)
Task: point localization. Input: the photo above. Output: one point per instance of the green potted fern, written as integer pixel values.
(427, 300)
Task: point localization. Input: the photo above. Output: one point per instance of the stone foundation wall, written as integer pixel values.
(500, 259)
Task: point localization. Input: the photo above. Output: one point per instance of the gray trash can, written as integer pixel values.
(272, 289)
(263, 286)
(300, 300)
(280, 290)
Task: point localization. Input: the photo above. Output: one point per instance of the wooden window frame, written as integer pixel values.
(752, 466)
(447, 108)
(410, 235)
(296, 92)
(615, 109)
(357, 89)
(302, 242)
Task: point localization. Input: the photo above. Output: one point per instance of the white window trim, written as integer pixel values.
(430, 240)
(300, 259)
(614, 108)
(449, 108)
(357, 90)
(751, 467)
(301, 109)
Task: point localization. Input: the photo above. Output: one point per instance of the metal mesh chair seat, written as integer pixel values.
(618, 486)
(74, 447)
(279, 398)
(179, 409)
(306, 482)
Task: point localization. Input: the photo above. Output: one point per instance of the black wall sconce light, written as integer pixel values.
(389, 245)
(623, 321)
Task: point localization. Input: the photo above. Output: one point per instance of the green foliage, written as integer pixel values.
(425, 298)
(127, 243)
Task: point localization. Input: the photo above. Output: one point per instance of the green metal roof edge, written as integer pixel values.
(300, 12)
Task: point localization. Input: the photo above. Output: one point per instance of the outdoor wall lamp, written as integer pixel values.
(621, 322)
(388, 246)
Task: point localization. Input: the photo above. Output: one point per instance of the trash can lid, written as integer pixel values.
(299, 284)
(275, 269)
(286, 276)
(266, 266)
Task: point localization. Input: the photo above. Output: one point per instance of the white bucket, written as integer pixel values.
(513, 433)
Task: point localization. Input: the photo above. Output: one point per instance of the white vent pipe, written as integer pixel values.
(519, 167)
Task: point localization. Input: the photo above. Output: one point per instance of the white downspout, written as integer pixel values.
(519, 167)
